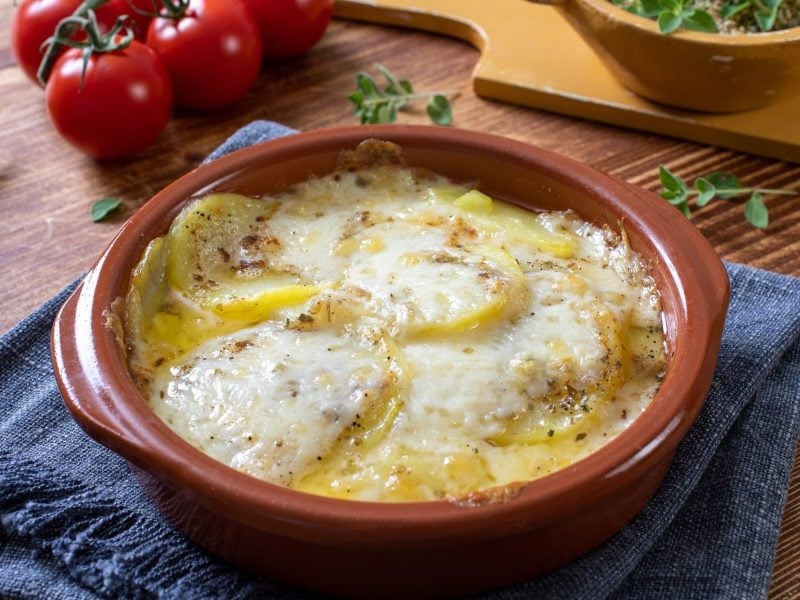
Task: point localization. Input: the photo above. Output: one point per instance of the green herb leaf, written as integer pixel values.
(406, 85)
(731, 10)
(439, 110)
(386, 113)
(706, 189)
(669, 194)
(366, 84)
(382, 115)
(724, 181)
(756, 212)
(356, 97)
(669, 22)
(636, 9)
(677, 198)
(766, 20)
(670, 181)
(394, 88)
(104, 207)
(650, 8)
(700, 20)
(684, 208)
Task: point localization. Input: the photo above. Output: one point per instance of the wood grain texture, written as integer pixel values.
(46, 188)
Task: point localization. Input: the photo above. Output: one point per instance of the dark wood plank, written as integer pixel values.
(46, 187)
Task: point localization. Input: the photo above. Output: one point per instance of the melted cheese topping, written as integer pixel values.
(387, 335)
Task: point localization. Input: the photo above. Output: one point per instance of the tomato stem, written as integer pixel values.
(85, 20)
(64, 31)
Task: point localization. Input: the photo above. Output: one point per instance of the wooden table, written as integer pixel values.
(46, 188)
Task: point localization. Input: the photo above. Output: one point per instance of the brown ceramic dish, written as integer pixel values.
(403, 550)
(699, 71)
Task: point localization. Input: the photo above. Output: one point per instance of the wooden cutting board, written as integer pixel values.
(531, 56)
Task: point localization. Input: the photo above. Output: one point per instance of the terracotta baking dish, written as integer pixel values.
(403, 550)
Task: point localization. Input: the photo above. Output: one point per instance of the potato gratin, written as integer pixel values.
(384, 334)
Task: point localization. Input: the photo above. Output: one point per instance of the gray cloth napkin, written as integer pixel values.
(76, 525)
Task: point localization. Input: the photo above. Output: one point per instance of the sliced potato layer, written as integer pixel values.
(570, 404)
(418, 283)
(220, 254)
(504, 220)
(385, 334)
(285, 402)
(403, 474)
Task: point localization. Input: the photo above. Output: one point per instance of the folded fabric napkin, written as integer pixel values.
(76, 525)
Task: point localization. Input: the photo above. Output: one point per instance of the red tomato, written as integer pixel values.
(212, 52)
(108, 13)
(32, 24)
(123, 106)
(290, 27)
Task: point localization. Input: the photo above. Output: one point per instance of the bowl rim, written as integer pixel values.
(107, 405)
(723, 41)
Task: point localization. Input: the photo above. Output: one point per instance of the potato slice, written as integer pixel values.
(273, 400)
(406, 475)
(494, 215)
(220, 253)
(367, 430)
(417, 288)
(565, 410)
(183, 327)
(505, 289)
(215, 240)
(147, 290)
(412, 474)
(344, 461)
(165, 322)
(645, 346)
(262, 305)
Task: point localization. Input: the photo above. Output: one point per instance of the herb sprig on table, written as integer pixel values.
(376, 104)
(721, 185)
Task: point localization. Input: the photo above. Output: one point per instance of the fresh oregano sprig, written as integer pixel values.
(671, 15)
(375, 104)
(721, 185)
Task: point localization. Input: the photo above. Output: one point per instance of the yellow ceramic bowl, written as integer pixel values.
(698, 71)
